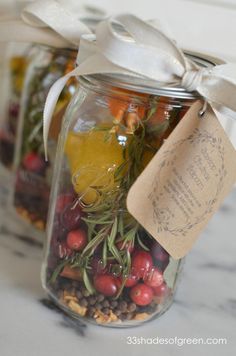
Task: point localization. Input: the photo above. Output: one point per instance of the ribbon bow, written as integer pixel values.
(57, 23)
(126, 45)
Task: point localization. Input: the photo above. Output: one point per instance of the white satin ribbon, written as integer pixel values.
(126, 45)
(58, 23)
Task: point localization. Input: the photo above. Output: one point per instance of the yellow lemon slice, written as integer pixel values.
(93, 158)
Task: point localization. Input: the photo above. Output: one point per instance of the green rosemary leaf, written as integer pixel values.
(141, 243)
(119, 169)
(126, 272)
(91, 246)
(115, 252)
(121, 226)
(131, 233)
(128, 259)
(96, 208)
(78, 261)
(58, 270)
(91, 228)
(111, 238)
(150, 113)
(121, 288)
(97, 222)
(104, 253)
(87, 282)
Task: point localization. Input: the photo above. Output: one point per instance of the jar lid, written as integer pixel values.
(150, 87)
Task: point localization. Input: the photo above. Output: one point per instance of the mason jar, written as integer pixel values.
(29, 197)
(16, 59)
(100, 264)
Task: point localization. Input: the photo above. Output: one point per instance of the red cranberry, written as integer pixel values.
(118, 283)
(71, 218)
(161, 255)
(62, 201)
(141, 294)
(106, 284)
(76, 240)
(33, 162)
(154, 278)
(161, 291)
(141, 263)
(131, 281)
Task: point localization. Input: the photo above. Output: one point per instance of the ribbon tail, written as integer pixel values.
(227, 119)
(57, 17)
(219, 89)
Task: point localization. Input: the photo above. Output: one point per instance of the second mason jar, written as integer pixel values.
(17, 58)
(30, 193)
(100, 264)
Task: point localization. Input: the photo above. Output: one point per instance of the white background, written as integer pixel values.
(201, 25)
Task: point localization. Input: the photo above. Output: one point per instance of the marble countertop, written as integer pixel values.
(205, 304)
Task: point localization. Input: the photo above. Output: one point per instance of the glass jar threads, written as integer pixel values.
(100, 264)
(30, 195)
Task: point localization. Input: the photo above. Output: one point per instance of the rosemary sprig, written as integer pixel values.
(58, 270)
(142, 244)
(87, 282)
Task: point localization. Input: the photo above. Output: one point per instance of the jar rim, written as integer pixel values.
(150, 87)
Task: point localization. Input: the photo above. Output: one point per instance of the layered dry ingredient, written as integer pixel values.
(8, 131)
(101, 264)
(33, 180)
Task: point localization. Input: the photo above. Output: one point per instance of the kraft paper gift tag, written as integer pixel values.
(185, 182)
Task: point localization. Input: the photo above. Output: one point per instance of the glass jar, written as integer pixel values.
(17, 57)
(100, 264)
(14, 58)
(16, 64)
(30, 195)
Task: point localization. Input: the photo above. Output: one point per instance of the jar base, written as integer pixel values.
(120, 324)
